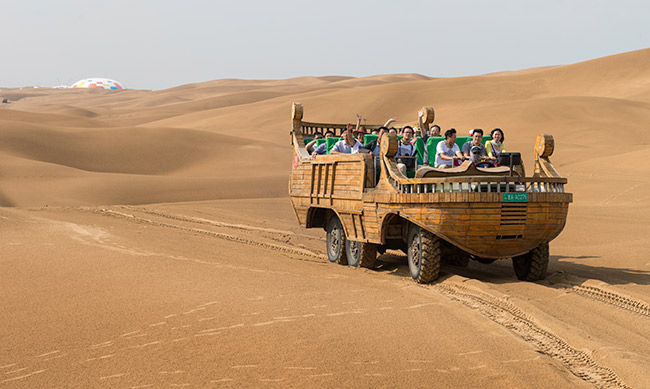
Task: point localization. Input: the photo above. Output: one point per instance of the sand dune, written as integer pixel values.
(147, 240)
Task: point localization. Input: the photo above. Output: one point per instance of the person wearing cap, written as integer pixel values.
(495, 147)
(447, 151)
(477, 137)
(475, 157)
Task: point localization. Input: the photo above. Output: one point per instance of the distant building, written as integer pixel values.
(103, 83)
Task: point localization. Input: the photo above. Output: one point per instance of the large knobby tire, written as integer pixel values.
(532, 265)
(424, 250)
(336, 241)
(361, 253)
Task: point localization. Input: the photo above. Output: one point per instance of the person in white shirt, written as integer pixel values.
(406, 149)
(348, 145)
(448, 151)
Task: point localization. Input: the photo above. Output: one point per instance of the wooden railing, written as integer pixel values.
(308, 128)
(482, 184)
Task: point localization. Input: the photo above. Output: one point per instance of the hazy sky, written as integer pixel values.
(156, 44)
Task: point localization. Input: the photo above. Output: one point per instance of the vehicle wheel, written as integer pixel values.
(360, 253)
(423, 255)
(336, 241)
(532, 265)
(485, 261)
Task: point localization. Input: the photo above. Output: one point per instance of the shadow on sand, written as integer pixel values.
(501, 271)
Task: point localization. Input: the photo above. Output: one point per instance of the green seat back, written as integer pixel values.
(419, 147)
(307, 140)
(461, 140)
(331, 141)
(432, 143)
(369, 138)
(320, 141)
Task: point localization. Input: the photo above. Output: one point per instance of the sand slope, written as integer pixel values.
(146, 240)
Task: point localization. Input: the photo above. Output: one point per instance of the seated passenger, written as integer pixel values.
(432, 131)
(322, 149)
(347, 145)
(447, 151)
(477, 137)
(406, 149)
(360, 133)
(310, 145)
(478, 159)
(495, 147)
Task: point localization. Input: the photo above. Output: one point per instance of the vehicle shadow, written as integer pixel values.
(560, 269)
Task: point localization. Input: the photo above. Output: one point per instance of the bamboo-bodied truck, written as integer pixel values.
(457, 214)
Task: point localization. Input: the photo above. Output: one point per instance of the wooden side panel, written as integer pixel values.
(334, 182)
(372, 229)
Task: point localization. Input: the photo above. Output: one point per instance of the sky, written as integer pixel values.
(158, 44)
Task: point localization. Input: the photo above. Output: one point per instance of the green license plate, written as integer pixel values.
(514, 197)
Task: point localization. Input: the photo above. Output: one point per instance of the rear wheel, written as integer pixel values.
(361, 254)
(532, 265)
(424, 251)
(336, 241)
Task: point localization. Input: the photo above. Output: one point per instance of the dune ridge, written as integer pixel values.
(234, 128)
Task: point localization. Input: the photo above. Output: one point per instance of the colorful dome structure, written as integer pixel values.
(103, 83)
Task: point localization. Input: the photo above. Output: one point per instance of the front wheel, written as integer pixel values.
(532, 265)
(361, 254)
(336, 241)
(424, 250)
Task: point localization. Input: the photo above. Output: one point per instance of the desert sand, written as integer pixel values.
(147, 240)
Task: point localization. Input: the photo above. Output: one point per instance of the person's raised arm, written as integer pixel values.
(311, 144)
(358, 123)
(389, 121)
(349, 136)
(423, 128)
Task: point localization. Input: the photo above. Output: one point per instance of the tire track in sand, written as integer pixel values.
(197, 220)
(611, 298)
(515, 320)
(232, 238)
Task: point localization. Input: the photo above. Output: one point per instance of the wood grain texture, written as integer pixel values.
(466, 207)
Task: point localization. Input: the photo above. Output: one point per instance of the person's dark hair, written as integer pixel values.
(405, 127)
(317, 133)
(329, 132)
(477, 130)
(435, 125)
(450, 132)
(503, 137)
(383, 128)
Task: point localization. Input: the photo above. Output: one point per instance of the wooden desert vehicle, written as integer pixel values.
(439, 215)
